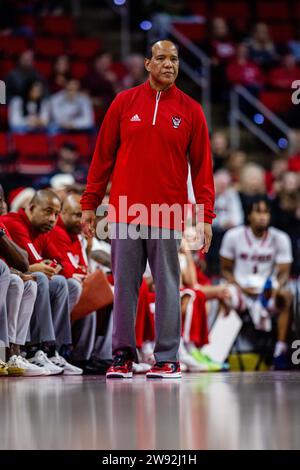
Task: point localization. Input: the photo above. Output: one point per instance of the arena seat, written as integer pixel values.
(198, 8)
(231, 10)
(49, 47)
(5, 66)
(4, 145)
(194, 31)
(32, 153)
(281, 32)
(296, 10)
(277, 101)
(268, 11)
(3, 117)
(13, 45)
(55, 25)
(84, 48)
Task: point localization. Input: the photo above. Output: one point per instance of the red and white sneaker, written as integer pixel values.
(121, 367)
(165, 370)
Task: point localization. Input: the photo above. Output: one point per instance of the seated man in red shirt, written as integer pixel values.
(50, 324)
(66, 238)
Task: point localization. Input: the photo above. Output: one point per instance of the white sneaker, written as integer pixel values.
(146, 354)
(40, 359)
(68, 369)
(191, 364)
(183, 367)
(140, 368)
(31, 370)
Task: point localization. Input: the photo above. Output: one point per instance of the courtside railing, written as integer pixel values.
(238, 116)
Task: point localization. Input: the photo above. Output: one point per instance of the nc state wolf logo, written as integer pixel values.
(176, 121)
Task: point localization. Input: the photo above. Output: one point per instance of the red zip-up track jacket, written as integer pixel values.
(146, 140)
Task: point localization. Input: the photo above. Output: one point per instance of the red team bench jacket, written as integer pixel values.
(39, 246)
(146, 140)
(70, 249)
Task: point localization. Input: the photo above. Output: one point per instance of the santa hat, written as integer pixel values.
(17, 197)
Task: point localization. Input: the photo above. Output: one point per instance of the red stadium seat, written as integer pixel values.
(4, 145)
(82, 142)
(198, 8)
(231, 10)
(3, 117)
(49, 47)
(32, 153)
(194, 31)
(268, 11)
(296, 10)
(79, 70)
(44, 67)
(281, 32)
(58, 25)
(277, 101)
(13, 46)
(84, 48)
(5, 67)
(34, 145)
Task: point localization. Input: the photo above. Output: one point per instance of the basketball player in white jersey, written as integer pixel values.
(256, 261)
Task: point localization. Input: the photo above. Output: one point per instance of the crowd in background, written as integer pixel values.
(61, 103)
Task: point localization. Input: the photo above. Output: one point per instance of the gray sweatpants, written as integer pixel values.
(20, 303)
(4, 284)
(50, 320)
(89, 344)
(129, 257)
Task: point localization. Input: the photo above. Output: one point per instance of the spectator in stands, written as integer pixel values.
(71, 110)
(252, 183)
(286, 212)
(29, 112)
(221, 49)
(134, 64)
(245, 72)
(219, 147)
(229, 213)
(256, 261)
(261, 46)
(228, 206)
(221, 44)
(50, 325)
(274, 176)
(235, 163)
(282, 77)
(24, 73)
(67, 163)
(61, 73)
(101, 82)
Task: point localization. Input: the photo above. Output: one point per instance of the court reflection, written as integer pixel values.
(204, 411)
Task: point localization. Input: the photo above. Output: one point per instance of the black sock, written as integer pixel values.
(31, 349)
(49, 348)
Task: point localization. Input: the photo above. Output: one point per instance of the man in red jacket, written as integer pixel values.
(56, 296)
(148, 136)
